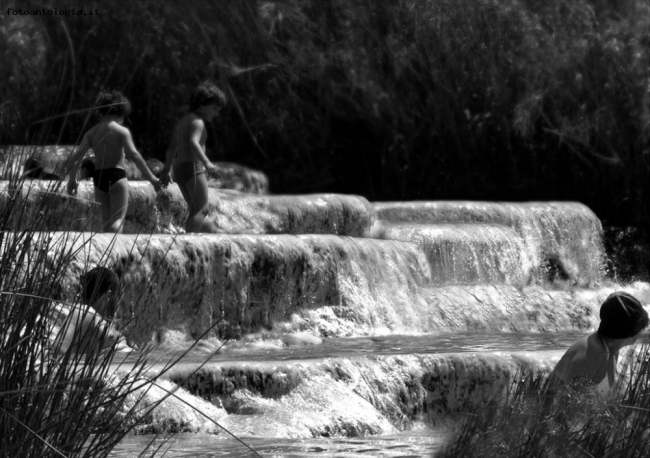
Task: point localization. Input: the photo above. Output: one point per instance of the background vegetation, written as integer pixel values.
(391, 99)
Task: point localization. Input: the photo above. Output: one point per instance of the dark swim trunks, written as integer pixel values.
(103, 179)
(185, 171)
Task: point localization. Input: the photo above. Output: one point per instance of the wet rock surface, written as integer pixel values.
(294, 271)
(230, 211)
(567, 232)
(49, 162)
(344, 397)
(229, 286)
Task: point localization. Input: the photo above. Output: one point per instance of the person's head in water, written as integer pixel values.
(206, 100)
(113, 103)
(99, 289)
(86, 329)
(594, 358)
(622, 316)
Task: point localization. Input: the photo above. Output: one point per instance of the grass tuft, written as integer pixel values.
(54, 403)
(579, 423)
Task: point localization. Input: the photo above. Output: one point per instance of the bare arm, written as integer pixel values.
(196, 131)
(74, 162)
(133, 155)
(170, 154)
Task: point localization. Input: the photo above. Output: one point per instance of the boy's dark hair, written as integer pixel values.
(113, 103)
(206, 93)
(97, 282)
(622, 316)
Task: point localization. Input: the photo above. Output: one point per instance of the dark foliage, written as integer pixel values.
(400, 99)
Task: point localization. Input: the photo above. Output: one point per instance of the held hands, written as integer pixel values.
(212, 170)
(166, 178)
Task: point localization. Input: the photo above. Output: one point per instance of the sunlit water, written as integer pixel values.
(460, 342)
(419, 442)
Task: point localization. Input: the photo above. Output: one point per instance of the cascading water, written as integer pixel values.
(368, 324)
(559, 235)
(468, 253)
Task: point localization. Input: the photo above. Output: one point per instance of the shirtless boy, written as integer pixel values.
(111, 143)
(186, 154)
(593, 359)
(90, 327)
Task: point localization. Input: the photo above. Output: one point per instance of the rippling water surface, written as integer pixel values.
(422, 442)
(419, 443)
(383, 345)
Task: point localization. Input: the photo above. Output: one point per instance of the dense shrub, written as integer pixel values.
(398, 99)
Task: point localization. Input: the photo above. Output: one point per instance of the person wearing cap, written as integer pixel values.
(592, 360)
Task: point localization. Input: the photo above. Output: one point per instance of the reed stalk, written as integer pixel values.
(579, 423)
(53, 403)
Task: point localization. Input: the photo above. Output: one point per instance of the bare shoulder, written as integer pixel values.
(193, 120)
(572, 361)
(91, 133)
(119, 129)
(123, 133)
(582, 359)
(196, 129)
(189, 118)
(187, 123)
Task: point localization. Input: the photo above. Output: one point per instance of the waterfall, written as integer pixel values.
(556, 235)
(468, 254)
(397, 291)
(330, 285)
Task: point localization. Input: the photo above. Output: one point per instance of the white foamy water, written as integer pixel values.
(424, 309)
(418, 438)
(419, 443)
(469, 253)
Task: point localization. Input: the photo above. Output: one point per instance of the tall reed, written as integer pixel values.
(53, 403)
(50, 404)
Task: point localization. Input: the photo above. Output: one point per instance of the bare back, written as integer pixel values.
(189, 127)
(589, 358)
(107, 141)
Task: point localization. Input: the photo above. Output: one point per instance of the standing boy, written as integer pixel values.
(187, 155)
(111, 143)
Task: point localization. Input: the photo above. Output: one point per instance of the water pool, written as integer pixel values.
(422, 440)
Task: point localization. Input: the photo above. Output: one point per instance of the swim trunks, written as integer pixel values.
(103, 179)
(185, 171)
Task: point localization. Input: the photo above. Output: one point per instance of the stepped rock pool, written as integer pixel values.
(419, 439)
(439, 343)
(419, 443)
(408, 314)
